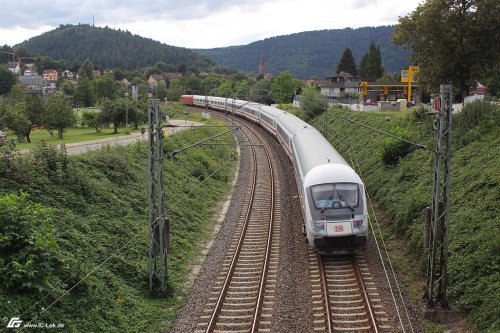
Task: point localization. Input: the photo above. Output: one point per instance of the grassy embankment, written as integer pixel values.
(403, 188)
(83, 210)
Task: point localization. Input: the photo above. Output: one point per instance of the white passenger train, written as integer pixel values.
(332, 195)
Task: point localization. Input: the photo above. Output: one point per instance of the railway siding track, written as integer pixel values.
(242, 297)
(345, 298)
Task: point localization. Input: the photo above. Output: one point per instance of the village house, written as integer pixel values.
(30, 70)
(334, 86)
(50, 75)
(155, 80)
(33, 83)
(14, 67)
(479, 89)
(68, 74)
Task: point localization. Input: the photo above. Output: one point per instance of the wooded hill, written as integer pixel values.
(312, 53)
(305, 55)
(107, 48)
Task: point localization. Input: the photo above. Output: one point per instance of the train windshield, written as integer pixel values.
(335, 196)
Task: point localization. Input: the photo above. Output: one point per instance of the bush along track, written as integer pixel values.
(400, 179)
(62, 217)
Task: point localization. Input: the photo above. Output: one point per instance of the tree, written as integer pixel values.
(370, 67)
(260, 92)
(84, 92)
(113, 112)
(16, 119)
(7, 80)
(34, 111)
(283, 87)
(347, 63)
(312, 104)
(105, 87)
(90, 118)
(58, 114)
(86, 70)
(453, 41)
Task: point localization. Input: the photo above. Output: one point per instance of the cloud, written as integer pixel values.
(33, 14)
(198, 23)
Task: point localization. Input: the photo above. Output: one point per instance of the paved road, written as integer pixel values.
(85, 146)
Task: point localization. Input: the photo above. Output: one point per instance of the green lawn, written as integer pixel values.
(79, 134)
(71, 135)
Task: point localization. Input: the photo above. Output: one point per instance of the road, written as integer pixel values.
(85, 146)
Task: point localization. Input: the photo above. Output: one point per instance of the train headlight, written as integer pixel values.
(319, 225)
(358, 224)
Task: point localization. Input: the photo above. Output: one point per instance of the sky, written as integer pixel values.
(198, 23)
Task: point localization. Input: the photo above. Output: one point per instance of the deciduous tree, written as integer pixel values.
(58, 114)
(453, 41)
(312, 103)
(113, 112)
(7, 80)
(283, 87)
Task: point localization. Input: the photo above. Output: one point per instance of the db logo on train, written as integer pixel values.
(338, 228)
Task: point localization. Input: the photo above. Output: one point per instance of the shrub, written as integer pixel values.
(29, 252)
(393, 149)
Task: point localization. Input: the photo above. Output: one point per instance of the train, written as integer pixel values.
(332, 195)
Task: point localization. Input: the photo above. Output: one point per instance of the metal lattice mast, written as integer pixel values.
(158, 225)
(438, 253)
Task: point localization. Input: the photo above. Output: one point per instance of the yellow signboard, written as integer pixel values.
(404, 75)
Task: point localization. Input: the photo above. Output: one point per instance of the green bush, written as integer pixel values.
(29, 252)
(393, 149)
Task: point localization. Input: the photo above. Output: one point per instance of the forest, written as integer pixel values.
(313, 53)
(108, 48)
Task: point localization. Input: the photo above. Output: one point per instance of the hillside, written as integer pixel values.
(107, 48)
(312, 53)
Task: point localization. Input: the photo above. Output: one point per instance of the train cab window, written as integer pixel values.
(335, 196)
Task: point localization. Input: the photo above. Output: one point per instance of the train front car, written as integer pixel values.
(333, 196)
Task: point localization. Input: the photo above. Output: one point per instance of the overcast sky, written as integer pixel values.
(198, 23)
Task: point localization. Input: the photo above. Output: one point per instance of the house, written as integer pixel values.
(155, 80)
(337, 85)
(14, 67)
(32, 82)
(66, 73)
(49, 89)
(96, 73)
(50, 75)
(480, 89)
(125, 82)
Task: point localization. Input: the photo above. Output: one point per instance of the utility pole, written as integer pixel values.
(326, 119)
(126, 110)
(435, 292)
(158, 225)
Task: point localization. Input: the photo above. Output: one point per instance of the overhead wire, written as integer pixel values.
(355, 164)
(153, 225)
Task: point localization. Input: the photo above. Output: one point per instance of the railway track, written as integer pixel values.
(243, 294)
(345, 298)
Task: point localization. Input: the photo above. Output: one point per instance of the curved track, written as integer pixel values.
(242, 296)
